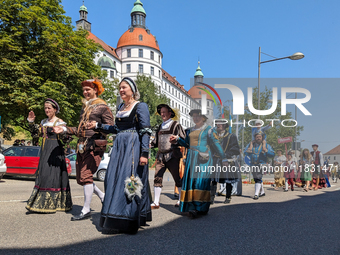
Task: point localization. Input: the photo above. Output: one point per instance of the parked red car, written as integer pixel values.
(24, 160)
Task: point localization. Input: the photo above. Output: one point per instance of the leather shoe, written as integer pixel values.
(81, 216)
(177, 204)
(256, 197)
(262, 195)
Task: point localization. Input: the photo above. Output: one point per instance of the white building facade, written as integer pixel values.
(138, 52)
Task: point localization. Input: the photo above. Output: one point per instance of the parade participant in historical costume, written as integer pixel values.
(289, 172)
(257, 129)
(258, 156)
(318, 178)
(335, 171)
(231, 149)
(51, 192)
(169, 155)
(305, 168)
(126, 205)
(278, 172)
(195, 194)
(91, 145)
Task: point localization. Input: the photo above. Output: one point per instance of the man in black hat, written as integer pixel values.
(229, 144)
(169, 155)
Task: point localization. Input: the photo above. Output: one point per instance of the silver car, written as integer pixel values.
(101, 171)
(3, 167)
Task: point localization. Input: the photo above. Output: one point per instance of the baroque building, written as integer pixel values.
(138, 52)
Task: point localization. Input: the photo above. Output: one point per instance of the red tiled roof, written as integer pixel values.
(333, 151)
(170, 78)
(132, 38)
(196, 93)
(106, 47)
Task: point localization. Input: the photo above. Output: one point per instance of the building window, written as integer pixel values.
(129, 53)
(152, 71)
(151, 55)
(172, 91)
(140, 53)
(128, 68)
(334, 157)
(140, 37)
(159, 59)
(140, 69)
(159, 73)
(176, 105)
(112, 74)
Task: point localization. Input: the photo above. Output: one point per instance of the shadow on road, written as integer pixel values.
(306, 225)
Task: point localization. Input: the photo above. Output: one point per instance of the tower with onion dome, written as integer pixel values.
(138, 49)
(82, 23)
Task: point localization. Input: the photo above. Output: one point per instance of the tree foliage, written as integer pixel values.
(277, 131)
(42, 56)
(150, 94)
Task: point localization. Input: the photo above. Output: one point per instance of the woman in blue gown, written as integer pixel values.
(129, 157)
(195, 194)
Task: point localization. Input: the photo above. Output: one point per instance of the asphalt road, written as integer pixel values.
(279, 223)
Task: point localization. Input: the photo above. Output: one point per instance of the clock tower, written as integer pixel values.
(82, 23)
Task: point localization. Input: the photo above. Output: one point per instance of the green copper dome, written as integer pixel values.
(107, 62)
(138, 7)
(198, 70)
(83, 8)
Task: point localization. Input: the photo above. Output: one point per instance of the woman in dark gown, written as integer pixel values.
(51, 192)
(129, 156)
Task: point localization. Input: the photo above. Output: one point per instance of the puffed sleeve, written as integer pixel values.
(180, 131)
(107, 123)
(35, 130)
(185, 142)
(215, 144)
(144, 128)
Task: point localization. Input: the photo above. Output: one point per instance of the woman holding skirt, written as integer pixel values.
(126, 205)
(51, 192)
(195, 194)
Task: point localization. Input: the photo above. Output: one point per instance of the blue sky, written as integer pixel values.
(226, 36)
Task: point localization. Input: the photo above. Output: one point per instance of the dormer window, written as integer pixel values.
(140, 37)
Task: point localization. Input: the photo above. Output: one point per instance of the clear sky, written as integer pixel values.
(226, 36)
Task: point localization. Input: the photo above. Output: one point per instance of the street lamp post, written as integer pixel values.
(295, 56)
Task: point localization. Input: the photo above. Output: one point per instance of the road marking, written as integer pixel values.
(11, 201)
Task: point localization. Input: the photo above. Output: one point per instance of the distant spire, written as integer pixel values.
(199, 70)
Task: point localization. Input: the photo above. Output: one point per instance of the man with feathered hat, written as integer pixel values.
(258, 155)
(91, 145)
(169, 155)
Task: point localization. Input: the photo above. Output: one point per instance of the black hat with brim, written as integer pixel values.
(160, 106)
(199, 112)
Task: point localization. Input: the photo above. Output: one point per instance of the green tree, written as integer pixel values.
(150, 94)
(277, 131)
(41, 57)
